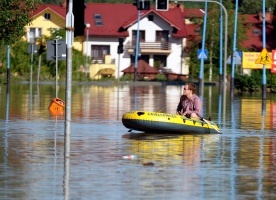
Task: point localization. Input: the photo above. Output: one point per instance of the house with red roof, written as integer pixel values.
(45, 17)
(144, 70)
(162, 36)
(254, 34)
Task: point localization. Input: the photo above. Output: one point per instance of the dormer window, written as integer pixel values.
(150, 18)
(256, 32)
(98, 19)
(47, 16)
(198, 30)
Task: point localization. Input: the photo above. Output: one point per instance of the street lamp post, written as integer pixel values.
(87, 36)
(225, 32)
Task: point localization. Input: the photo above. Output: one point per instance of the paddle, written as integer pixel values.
(207, 122)
(162, 109)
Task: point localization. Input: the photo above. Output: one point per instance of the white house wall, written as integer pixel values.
(174, 60)
(113, 43)
(158, 24)
(185, 60)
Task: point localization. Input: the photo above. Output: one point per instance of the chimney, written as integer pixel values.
(267, 16)
(64, 2)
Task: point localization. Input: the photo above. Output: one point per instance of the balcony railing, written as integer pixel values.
(150, 47)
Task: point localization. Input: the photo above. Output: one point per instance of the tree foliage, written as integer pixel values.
(253, 6)
(14, 15)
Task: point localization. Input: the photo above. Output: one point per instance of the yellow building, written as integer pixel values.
(49, 17)
(101, 70)
(45, 18)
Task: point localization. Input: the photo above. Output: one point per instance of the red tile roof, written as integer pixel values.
(192, 13)
(56, 8)
(118, 17)
(142, 67)
(191, 29)
(254, 36)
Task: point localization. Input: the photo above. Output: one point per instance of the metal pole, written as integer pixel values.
(8, 63)
(38, 70)
(264, 69)
(31, 77)
(56, 43)
(211, 53)
(69, 44)
(225, 32)
(234, 48)
(201, 76)
(67, 131)
(86, 60)
(220, 45)
(264, 46)
(136, 47)
(118, 73)
(32, 60)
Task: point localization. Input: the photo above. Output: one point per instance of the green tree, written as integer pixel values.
(14, 15)
(253, 6)
(274, 21)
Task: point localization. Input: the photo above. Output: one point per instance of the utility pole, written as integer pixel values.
(69, 44)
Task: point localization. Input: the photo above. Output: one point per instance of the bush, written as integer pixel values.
(126, 77)
(160, 77)
(245, 83)
(21, 64)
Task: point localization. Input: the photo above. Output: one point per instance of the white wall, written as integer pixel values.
(174, 60)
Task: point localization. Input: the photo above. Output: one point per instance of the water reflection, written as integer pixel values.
(6, 136)
(238, 163)
(186, 149)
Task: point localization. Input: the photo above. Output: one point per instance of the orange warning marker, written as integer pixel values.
(57, 106)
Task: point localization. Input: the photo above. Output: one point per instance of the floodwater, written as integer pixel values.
(240, 163)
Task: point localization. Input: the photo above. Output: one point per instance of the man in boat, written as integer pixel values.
(190, 104)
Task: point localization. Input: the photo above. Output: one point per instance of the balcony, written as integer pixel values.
(157, 48)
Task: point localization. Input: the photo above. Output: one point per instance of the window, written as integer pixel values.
(162, 36)
(47, 16)
(256, 32)
(160, 61)
(99, 51)
(141, 36)
(150, 17)
(98, 19)
(33, 34)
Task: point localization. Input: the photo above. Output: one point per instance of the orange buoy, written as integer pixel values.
(57, 106)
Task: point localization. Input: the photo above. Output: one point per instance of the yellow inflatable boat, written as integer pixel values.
(154, 122)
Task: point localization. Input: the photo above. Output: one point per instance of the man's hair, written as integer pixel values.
(192, 87)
